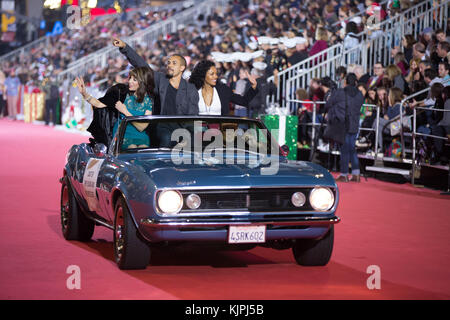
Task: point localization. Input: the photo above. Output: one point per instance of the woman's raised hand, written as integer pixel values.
(251, 79)
(81, 86)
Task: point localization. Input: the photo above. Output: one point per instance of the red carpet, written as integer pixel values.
(401, 229)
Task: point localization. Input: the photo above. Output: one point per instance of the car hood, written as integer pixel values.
(208, 173)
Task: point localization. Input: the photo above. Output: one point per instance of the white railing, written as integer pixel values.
(374, 46)
(147, 36)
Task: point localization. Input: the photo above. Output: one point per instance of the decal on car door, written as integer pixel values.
(90, 182)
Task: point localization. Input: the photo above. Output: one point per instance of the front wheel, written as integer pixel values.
(130, 250)
(75, 225)
(312, 252)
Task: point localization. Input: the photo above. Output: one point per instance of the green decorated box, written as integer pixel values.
(286, 132)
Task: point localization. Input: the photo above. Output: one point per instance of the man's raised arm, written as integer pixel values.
(135, 59)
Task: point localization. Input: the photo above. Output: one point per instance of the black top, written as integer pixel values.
(227, 96)
(170, 107)
(104, 119)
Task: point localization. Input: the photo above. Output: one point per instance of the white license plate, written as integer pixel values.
(247, 234)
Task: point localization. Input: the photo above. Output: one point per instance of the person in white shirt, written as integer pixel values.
(214, 96)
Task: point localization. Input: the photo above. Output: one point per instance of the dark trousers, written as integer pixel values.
(440, 131)
(348, 154)
(50, 111)
(2, 105)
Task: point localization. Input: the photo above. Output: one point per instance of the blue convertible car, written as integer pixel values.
(220, 180)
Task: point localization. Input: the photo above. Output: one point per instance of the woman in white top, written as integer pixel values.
(215, 97)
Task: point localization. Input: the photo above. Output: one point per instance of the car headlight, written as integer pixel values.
(298, 199)
(193, 201)
(321, 199)
(170, 202)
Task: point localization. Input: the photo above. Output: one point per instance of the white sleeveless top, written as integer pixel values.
(214, 109)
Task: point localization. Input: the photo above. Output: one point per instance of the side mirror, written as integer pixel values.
(100, 150)
(284, 150)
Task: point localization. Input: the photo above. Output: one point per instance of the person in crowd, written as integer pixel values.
(174, 95)
(394, 74)
(12, 84)
(400, 61)
(258, 104)
(378, 74)
(362, 77)
(2, 94)
(442, 129)
(419, 51)
(353, 101)
(351, 41)
(120, 101)
(367, 116)
(444, 70)
(241, 86)
(395, 97)
(333, 111)
(408, 42)
(431, 77)
(366, 111)
(413, 72)
(427, 118)
(341, 73)
(320, 45)
(426, 39)
(214, 96)
(382, 99)
(50, 86)
(305, 116)
(315, 91)
(441, 36)
(440, 55)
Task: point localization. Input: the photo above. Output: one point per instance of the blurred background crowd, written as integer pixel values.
(239, 26)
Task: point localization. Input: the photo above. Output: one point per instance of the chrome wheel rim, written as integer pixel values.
(118, 235)
(65, 208)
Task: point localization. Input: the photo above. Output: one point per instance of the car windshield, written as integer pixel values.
(192, 135)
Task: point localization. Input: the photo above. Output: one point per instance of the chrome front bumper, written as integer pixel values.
(199, 223)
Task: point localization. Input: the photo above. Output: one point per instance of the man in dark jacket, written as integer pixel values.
(354, 100)
(174, 95)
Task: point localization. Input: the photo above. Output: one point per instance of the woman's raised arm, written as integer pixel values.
(90, 99)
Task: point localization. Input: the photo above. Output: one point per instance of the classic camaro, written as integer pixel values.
(221, 180)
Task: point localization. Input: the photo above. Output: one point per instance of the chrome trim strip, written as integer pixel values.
(243, 188)
(167, 225)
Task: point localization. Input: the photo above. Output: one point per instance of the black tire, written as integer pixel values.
(313, 252)
(75, 225)
(131, 251)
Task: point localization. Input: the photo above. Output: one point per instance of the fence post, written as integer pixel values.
(376, 133)
(413, 148)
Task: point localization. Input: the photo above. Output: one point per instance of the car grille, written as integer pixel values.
(253, 200)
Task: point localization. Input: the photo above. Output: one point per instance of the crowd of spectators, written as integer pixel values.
(422, 64)
(51, 57)
(237, 27)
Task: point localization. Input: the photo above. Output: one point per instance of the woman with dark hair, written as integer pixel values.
(408, 42)
(120, 101)
(215, 97)
(351, 41)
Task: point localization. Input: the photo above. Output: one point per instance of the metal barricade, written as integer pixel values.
(415, 134)
(314, 123)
